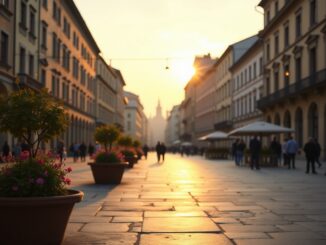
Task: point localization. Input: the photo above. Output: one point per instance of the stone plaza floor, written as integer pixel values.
(194, 201)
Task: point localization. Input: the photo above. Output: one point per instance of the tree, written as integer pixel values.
(125, 141)
(107, 135)
(136, 143)
(34, 117)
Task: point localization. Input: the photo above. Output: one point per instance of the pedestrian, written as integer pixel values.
(234, 150)
(158, 151)
(163, 151)
(285, 155)
(255, 148)
(82, 152)
(318, 148)
(60, 150)
(310, 150)
(240, 147)
(76, 152)
(276, 150)
(292, 148)
(145, 150)
(91, 149)
(5, 151)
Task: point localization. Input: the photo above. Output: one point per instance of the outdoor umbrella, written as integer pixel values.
(217, 135)
(261, 128)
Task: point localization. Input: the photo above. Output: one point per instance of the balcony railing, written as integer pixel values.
(312, 82)
(25, 80)
(227, 124)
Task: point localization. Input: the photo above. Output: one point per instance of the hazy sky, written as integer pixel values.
(142, 37)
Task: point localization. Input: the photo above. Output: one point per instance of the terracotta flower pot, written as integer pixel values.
(36, 220)
(107, 173)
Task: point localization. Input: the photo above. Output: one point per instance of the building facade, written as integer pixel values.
(133, 115)
(105, 93)
(121, 101)
(68, 56)
(172, 130)
(294, 37)
(247, 86)
(7, 27)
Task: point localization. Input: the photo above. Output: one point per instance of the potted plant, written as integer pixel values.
(128, 152)
(35, 203)
(108, 166)
(136, 144)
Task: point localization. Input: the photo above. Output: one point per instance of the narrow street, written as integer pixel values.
(190, 200)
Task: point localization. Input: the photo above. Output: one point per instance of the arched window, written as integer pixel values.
(277, 119)
(313, 121)
(287, 119)
(299, 126)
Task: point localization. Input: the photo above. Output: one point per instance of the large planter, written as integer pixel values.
(107, 173)
(131, 161)
(36, 220)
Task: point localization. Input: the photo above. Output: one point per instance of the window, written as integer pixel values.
(268, 52)
(298, 25)
(312, 61)
(65, 57)
(44, 34)
(286, 75)
(286, 36)
(66, 27)
(32, 23)
(55, 85)
(23, 15)
(297, 69)
(276, 7)
(276, 43)
(45, 4)
(76, 40)
(249, 73)
(56, 14)
(261, 68)
(5, 3)
(4, 48)
(22, 62)
(276, 81)
(313, 12)
(31, 65)
(268, 16)
(75, 68)
(268, 86)
(255, 70)
(43, 76)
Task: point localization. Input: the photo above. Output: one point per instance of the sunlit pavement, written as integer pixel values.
(190, 200)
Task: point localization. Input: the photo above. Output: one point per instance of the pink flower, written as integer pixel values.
(39, 181)
(41, 161)
(24, 155)
(69, 169)
(67, 181)
(14, 188)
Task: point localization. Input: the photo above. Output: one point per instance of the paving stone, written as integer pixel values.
(175, 214)
(74, 227)
(105, 239)
(106, 227)
(118, 213)
(278, 242)
(226, 221)
(246, 235)
(179, 224)
(143, 208)
(127, 219)
(184, 239)
(89, 219)
(248, 228)
(296, 235)
(292, 227)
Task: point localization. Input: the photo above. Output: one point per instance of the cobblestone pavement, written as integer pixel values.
(193, 201)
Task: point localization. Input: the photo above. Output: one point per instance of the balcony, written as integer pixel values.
(314, 81)
(224, 125)
(26, 81)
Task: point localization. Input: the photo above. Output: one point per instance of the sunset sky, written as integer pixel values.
(142, 37)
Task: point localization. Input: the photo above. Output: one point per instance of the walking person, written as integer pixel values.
(255, 148)
(60, 150)
(318, 148)
(163, 151)
(76, 152)
(17, 150)
(145, 150)
(285, 155)
(5, 151)
(292, 148)
(158, 151)
(234, 150)
(82, 152)
(276, 150)
(310, 150)
(240, 147)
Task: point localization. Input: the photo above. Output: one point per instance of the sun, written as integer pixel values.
(182, 71)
